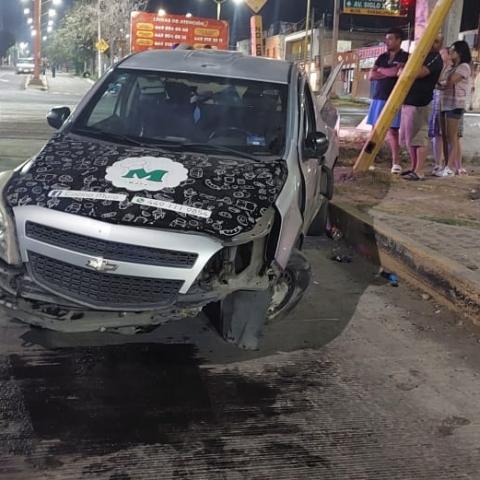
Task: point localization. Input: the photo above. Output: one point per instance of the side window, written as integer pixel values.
(310, 123)
(108, 106)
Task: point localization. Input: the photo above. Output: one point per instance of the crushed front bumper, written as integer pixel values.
(23, 299)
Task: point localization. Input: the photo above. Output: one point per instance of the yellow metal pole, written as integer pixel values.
(405, 82)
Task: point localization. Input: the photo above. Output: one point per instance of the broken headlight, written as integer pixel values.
(8, 245)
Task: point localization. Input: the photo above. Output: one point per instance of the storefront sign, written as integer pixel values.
(256, 25)
(152, 31)
(386, 8)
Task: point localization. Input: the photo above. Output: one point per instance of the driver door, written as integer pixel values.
(310, 164)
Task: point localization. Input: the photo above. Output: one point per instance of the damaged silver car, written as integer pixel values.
(184, 182)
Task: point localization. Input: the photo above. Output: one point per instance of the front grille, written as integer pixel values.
(101, 289)
(113, 251)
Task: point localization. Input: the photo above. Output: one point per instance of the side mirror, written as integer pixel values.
(317, 143)
(57, 116)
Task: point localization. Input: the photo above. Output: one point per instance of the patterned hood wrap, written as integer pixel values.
(236, 191)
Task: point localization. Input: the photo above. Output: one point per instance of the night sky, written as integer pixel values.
(11, 17)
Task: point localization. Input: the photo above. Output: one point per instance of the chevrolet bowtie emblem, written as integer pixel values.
(101, 265)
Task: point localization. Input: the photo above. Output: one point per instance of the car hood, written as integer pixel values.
(224, 197)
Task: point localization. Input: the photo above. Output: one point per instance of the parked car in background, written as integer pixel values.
(25, 65)
(185, 181)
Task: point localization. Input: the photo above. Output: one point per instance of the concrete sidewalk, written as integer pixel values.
(427, 232)
(67, 84)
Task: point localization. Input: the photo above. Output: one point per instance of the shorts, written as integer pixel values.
(414, 126)
(456, 114)
(375, 110)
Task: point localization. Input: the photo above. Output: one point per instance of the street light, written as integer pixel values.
(49, 29)
(26, 11)
(52, 13)
(221, 2)
(29, 21)
(189, 15)
(162, 12)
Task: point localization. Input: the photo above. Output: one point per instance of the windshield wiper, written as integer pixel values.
(102, 135)
(209, 148)
(162, 143)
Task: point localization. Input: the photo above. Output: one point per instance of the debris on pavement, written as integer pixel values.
(342, 258)
(334, 233)
(391, 277)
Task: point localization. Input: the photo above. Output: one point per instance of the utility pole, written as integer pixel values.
(478, 41)
(335, 33)
(99, 38)
(451, 27)
(219, 8)
(37, 41)
(311, 37)
(321, 53)
(307, 30)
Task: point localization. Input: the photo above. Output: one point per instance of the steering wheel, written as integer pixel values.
(229, 132)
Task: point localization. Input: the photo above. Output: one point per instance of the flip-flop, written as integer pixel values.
(407, 173)
(413, 177)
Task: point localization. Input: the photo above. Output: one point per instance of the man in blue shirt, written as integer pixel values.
(385, 76)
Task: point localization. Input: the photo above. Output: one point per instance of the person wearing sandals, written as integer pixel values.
(455, 92)
(434, 127)
(385, 76)
(416, 112)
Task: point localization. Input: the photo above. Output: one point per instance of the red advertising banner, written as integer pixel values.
(152, 31)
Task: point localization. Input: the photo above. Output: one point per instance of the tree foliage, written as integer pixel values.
(7, 39)
(74, 41)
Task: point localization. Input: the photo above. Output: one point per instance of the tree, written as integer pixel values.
(115, 22)
(74, 42)
(7, 39)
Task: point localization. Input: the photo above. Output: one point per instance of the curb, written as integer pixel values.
(43, 88)
(445, 280)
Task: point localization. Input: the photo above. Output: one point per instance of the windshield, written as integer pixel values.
(156, 107)
(25, 60)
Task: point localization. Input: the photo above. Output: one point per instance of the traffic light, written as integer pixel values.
(405, 6)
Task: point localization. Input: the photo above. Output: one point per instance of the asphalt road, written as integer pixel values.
(23, 127)
(362, 381)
